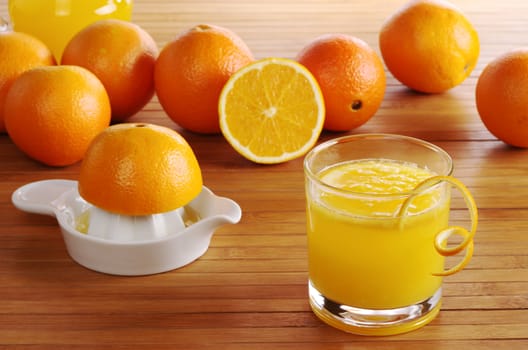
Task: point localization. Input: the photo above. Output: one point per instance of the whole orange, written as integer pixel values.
(502, 97)
(351, 77)
(191, 71)
(122, 55)
(18, 53)
(139, 169)
(429, 45)
(53, 113)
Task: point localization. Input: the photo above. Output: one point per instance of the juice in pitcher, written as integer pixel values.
(55, 22)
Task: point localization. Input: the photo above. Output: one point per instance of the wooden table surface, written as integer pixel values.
(249, 291)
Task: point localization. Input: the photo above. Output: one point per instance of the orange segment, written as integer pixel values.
(139, 169)
(271, 111)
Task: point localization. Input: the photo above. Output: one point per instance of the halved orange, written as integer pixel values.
(272, 110)
(139, 169)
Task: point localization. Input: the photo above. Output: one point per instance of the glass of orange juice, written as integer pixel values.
(378, 208)
(55, 22)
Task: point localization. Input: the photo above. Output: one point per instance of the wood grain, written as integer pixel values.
(249, 290)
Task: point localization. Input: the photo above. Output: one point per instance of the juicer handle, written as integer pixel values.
(40, 197)
(227, 211)
(217, 210)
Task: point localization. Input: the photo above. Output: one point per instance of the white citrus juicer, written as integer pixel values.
(128, 245)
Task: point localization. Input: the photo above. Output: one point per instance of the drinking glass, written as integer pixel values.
(378, 208)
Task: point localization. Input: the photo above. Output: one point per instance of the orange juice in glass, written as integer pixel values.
(55, 22)
(378, 226)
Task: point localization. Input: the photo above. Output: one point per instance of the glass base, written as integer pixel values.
(374, 321)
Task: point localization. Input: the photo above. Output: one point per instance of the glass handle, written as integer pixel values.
(442, 237)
